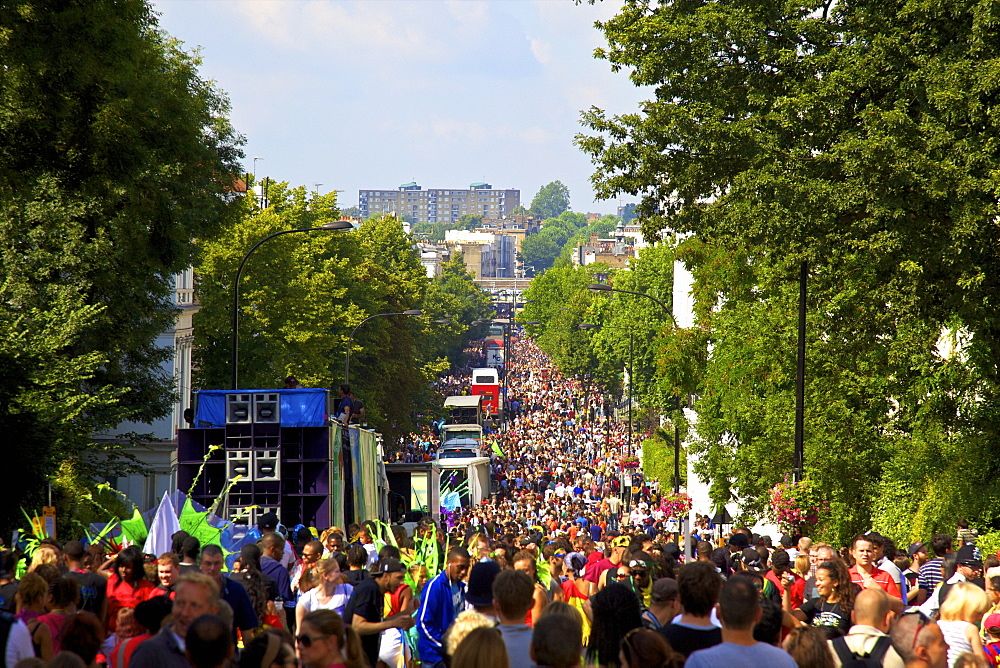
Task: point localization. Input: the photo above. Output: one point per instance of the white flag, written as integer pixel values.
(164, 526)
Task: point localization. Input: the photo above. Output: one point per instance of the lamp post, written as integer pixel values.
(350, 339)
(798, 460)
(234, 356)
(587, 325)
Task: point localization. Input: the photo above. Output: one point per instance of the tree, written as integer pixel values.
(114, 155)
(842, 136)
(550, 200)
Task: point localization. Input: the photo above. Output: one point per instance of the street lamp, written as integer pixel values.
(234, 356)
(350, 339)
(631, 379)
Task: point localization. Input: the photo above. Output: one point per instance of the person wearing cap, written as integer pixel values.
(781, 575)
(991, 638)
(724, 557)
(442, 601)
(968, 566)
(664, 604)
(479, 593)
(640, 579)
(592, 576)
(917, 553)
(367, 603)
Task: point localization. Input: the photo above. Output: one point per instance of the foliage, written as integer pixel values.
(302, 295)
(114, 155)
(845, 136)
(551, 200)
(796, 507)
(658, 459)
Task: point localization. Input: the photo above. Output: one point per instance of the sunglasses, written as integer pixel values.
(639, 573)
(307, 641)
(621, 576)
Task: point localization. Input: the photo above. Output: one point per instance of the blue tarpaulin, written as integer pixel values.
(299, 408)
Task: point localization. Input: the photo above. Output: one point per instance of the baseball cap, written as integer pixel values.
(268, 520)
(916, 547)
(621, 541)
(992, 619)
(389, 565)
(480, 590)
(665, 589)
(739, 540)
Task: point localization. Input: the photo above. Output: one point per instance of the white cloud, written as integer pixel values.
(541, 49)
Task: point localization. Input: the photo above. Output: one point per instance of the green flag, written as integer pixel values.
(497, 450)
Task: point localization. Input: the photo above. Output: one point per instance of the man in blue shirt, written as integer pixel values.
(272, 547)
(233, 593)
(739, 609)
(443, 600)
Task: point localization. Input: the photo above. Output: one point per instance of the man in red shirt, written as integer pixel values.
(619, 546)
(781, 574)
(866, 574)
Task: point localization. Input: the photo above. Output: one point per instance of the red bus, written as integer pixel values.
(487, 383)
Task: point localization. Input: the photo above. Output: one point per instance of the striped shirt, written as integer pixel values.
(930, 574)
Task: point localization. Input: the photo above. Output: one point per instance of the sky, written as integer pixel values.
(374, 94)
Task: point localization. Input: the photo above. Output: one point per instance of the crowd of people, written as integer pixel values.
(573, 562)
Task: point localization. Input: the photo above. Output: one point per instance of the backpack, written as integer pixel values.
(849, 659)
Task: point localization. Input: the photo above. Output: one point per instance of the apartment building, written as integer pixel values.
(439, 205)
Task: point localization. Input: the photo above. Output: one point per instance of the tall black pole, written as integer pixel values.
(677, 458)
(630, 381)
(800, 380)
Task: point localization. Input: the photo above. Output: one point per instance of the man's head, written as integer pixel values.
(168, 567)
(919, 642)
(211, 562)
(513, 594)
(267, 522)
(190, 547)
(208, 642)
(196, 595)
(640, 565)
(389, 574)
(524, 561)
(993, 589)
(357, 557)
(480, 591)
(665, 597)
(918, 553)
(272, 544)
(458, 563)
(619, 546)
(345, 390)
(780, 562)
(968, 562)
(821, 552)
(941, 544)
(556, 641)
(863, 551)
(738, 542)
(704, 550)
(73, 552)
(805, 542)
(698, 587)
(312, 552)
(871, 608)
(739, 604)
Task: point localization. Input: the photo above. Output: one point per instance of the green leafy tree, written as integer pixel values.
(846, 137)
(114, 155)
(550, 200)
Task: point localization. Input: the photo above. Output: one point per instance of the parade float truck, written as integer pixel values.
(465, 481)
(280, 451)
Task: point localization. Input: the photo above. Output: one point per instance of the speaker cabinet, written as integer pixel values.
(267, 465)
(239, 463)
(267, 408)
(238, 409)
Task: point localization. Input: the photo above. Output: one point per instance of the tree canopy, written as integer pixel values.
(858, 138)
(302, 295)
(114, 155)
(550, 200)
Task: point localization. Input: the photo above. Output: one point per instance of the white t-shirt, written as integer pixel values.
(310, 600)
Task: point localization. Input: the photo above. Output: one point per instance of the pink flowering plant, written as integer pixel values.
(630, 462)
(675, 505)
(797, 506)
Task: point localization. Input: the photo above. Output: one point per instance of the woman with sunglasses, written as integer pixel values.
(325, 641)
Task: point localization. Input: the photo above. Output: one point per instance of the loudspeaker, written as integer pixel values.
(238, 462)
(267, 465)
(238, 409)
(267, 408)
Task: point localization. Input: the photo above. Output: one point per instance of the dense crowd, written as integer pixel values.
(573, 562)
